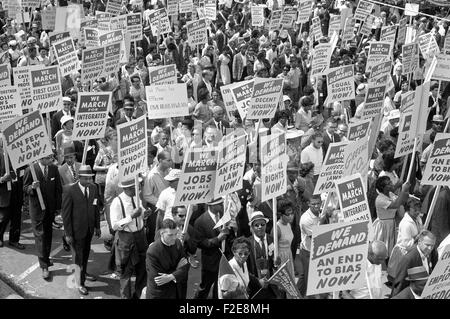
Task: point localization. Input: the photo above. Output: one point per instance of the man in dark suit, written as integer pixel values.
(81, 220)
(210, 242)
(218, 122)
(49, 181)
(397, 78)
(260, 263)
(67, 110)
(417, 277)
(418, 256)
(166, 264)
(330, 136)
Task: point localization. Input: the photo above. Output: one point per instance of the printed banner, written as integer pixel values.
(373, 102)
(164, 101)
(438, 284)
(92, 64)
(321, 59)
(410, 60)
(67, 56)
(407, 101)
(116, 36)
(165, 74)
(363, 10)
(349, 30)
(210, 10)
(228, 101)
(358, 130)
(10, 106)
(402, 28)
(48, 16)
(335, 24)
(331, 169)
(172, 7)
(316, 28)
(378, 52)
(341, 85)
(257, 16)
(273, 166)
(405, 141)
(437, 170)
(338, 257)
(352, 199)
(242, 94)
(91, 39)
(198, 177)
(46, 89)
(26, 139)
(381, 73)
(132, 148)
(196, 31)
(230, 165)
(112, 61)
(369, 22)
(91, 115)
(5, 75)
(22, 82)
(265, 97)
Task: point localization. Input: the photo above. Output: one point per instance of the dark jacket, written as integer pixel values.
(404, 294)
(327, 142)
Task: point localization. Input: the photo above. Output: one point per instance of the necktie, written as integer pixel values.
(74, 173)
(134, 207)
(46, 172)
(86, 198)
(217, 218)
(263, 247)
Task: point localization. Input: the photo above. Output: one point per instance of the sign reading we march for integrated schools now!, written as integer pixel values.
(164, 101)
(197, 179)
(265, 97)
(67, 56)
(341, 84)
(332, 168)
(437, 169)
(374, 100)
(338, 257)
(230, 165)
(46, 89)
(91, 115)
(352, 198)
(273, 166)
(26, 139)
(132, 148)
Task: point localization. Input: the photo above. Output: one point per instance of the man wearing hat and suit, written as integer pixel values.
(437, 126)
(128, 110)
(210, 242)
(435, 103)
(260, 263)
(417, 278)
(56, 118)
(218, 122)
(49, 181)
(80, 212)
(417, 256)
(240, 64)
(130, 243)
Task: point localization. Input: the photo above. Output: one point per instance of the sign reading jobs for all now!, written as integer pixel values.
(273, 166)
(438, 284)
(198, 177)
(230, 165)
(332, 168)
(437, 170)
(132, 137)
(9, 103)
(91, 115)
(196, 31)
(46, 89)
(164, 101)
(338, 257)
(341, 84)
(242, 94)
(405, 141)
(67, 56)
(26, 139)
(165, 74)
(265, 98)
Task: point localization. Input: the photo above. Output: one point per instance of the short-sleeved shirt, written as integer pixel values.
(165, 202)
(314, 155)
(307, 221)
(382, 202)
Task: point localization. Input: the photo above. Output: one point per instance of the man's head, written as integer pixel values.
(85, 175)
(215, 95)
(405, 86)
(69, 155)
(434, 89)
(179, 215)
(306, 103)
(210, 134)
(128, 108)
(331, 125)
(164, 160)
(128, 187)
(283, 117)
(216, 206)
(398, 69)
(426, 242)
(169, 232)
(47, 160)
(292, 171)
(314, 204)
(163, 139)
(438, 123)
(173, 177)
(258, 224)
(342, 130)
(317, 140)
(377, 252)
(217, 113)
(67, 104)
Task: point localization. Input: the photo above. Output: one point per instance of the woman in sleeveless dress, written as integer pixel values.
(285, 234)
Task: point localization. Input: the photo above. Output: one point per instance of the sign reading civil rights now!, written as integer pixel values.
(331, 169)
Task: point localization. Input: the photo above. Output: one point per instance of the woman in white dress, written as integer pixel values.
(225, 59)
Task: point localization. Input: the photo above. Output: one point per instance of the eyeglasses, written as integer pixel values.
(181, 215)
(319, 142)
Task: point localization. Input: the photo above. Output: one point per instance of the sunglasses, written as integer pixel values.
(181, 215)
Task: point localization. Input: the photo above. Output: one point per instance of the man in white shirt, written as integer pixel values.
(167, 197)
(313, 153)
(272, 53)
(154, 182)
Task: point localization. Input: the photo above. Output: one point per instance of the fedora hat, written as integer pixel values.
(85, 170)
(215, 201)
(417, 273)
(68, 150)
(128, 183)
(438, 118)
(257, 215)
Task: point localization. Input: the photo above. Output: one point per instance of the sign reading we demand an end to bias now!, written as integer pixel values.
(437, 169)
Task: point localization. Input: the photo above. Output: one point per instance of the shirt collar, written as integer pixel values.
(258, 240)
(422, 256)
(416, 296)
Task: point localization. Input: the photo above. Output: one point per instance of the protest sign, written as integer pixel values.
(437, 170)
(352, 199)
(26, 139)
(381, 73)
(92, 64)
(273, 166)
(345, 13)
(316, 31)
(331, 169)
(405, 141)
(69, 19)
(321, 59)
(104, 24)
(88, 23)
(164, 101)
(358, 130)
(356, 158)
(402, 27)
(366, 29)
(197, 32)
(112, 58)
(363, 9)
(410, 57)
(10, 106)
(335, 24)
(46, 89)
(114, 37)
(275, 20)
(210, 10)
(22, 82)
(114, 7)
(438, 284)
(388, 34)
(67, 56)
(284, 280)
(242, 94)
(91, 115)
(349, 28)
(185, 6)
(91, 38)
(304, 11)
(48, 16)
(159, 21)
(134, 26)
(228, 100)
(440, 3)
(166, 74)
(378, 52)
(341, 84)
(338, 257)
(30, 3)
(428, 45)
(132, 148)
(197, 179)
(407, 101)
(265, 97)
(230, 165)
(447, 44)
(5, 75)
(172, 7)
(374, 100)
(442, 70)
(257, 16)
(289, 17)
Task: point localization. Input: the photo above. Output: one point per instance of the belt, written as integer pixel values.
(131, 232)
